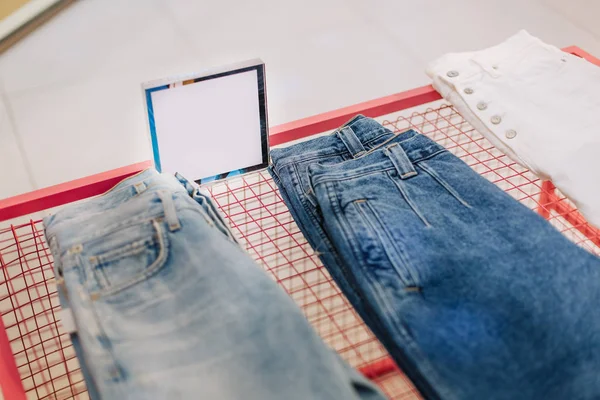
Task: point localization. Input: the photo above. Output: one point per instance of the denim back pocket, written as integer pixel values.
(126, 257)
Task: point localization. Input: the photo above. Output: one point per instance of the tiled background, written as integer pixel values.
(70, 97)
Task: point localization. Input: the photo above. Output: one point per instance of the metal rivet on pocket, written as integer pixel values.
(76, 249)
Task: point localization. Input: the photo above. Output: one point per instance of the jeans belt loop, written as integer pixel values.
(169, 207)
(351, 141)
(492, 70)
(400, 160)
(140, 187)
(189, 186)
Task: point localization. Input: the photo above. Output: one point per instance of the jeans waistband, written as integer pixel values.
(399, 153)
(496, 60)
(118, 206)
(354, 138)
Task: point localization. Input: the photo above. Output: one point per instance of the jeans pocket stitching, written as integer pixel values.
(429, 171)
(408, 277)
(410, 203)
(123, 252)
(306, 195)
(152, 269)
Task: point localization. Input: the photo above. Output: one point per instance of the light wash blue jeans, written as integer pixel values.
(475, 296)
(168, 306)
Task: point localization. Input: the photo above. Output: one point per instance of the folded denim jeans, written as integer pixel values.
(167, 305)
(473, 294)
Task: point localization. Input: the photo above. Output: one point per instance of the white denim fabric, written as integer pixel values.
(538, 105)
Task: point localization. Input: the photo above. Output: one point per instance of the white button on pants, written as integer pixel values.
(545, 110)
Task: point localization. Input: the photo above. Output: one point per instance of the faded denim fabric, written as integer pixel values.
(168, 306)
(481, 297)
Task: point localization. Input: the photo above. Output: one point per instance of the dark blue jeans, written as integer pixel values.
(474, 295)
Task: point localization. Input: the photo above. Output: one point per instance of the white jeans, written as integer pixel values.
(537, 104)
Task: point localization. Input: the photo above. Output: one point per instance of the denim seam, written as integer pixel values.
(306, 195)
(410, 202)
(376, 318)
(199, 210)
(356, 121)
(397, 155)
(317, 224)
(213, 223)
(400, 252)
(431, 172)
(390, 315)
(139, 219)
(348, 233)
(149, 271)
(351, 141)
(123, 251)
(78, 264)
(329, 177)
(220, 224)
(278, 166)
(323, 238)
(120, 225)
(351, 177)
(274, 174)
(101, 277)
(97, 262)
(374, 149)
(345, 270)
(96, 317)
(375, 232)
(384, 132)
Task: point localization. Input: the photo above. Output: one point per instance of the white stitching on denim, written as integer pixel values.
(148, 271)
(411, 271)
(315, 155)
(400, 160)
(392, 138)
(375, 231)
(410, 202)
(371, 169)
(431, 172)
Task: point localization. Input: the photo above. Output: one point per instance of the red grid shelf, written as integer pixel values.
(37, 358)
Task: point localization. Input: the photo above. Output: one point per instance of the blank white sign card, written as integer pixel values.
(210, 126)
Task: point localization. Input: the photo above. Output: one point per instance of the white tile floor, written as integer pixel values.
(70, 97)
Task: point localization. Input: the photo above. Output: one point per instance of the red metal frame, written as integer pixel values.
(79, 189)
(10, 380)
(330, 120)
(96, 184)
(67, 192)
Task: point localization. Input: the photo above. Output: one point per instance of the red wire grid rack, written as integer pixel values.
(37, 360)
